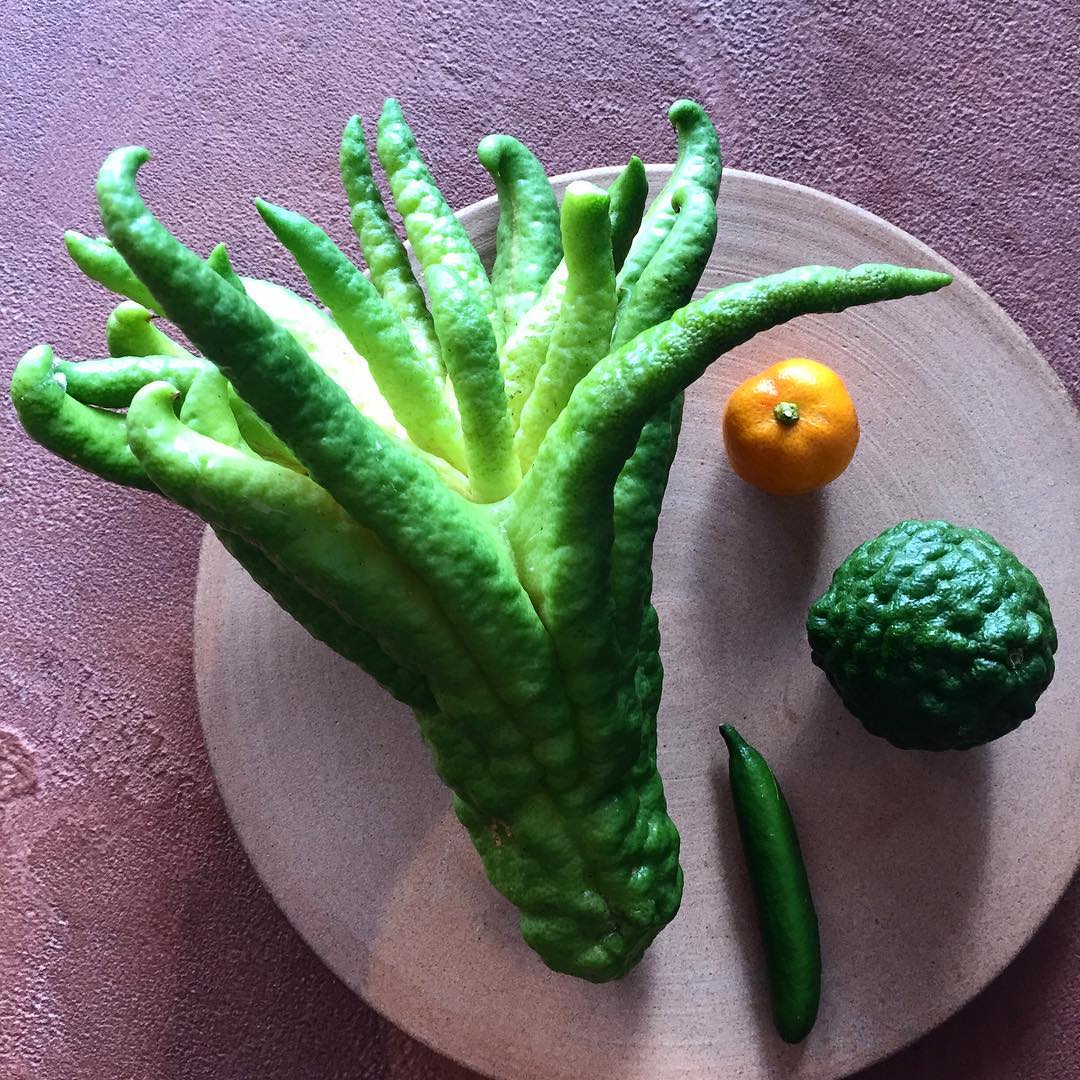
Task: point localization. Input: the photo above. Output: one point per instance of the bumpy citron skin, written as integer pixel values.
(792, 428)
(518, 628)
(935, 636)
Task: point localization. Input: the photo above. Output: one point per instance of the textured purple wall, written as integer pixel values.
(134, 939)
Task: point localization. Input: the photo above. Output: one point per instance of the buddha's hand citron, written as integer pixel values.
(453, 480)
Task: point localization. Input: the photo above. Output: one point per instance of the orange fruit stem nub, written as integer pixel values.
(786, 412)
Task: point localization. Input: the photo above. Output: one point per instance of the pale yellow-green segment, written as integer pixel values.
(582, 332)
(472, 361)
(523, 354)
(438, 238)
(317, 333)
(130, 331)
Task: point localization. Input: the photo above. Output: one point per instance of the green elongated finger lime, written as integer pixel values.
(785, 908)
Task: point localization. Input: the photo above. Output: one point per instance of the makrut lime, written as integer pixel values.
(935, 636)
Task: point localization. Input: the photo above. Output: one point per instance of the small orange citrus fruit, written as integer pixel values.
(792, 428)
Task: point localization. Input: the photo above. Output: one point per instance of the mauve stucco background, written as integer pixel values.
(135, 942)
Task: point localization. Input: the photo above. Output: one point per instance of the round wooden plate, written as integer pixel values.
(929, 871)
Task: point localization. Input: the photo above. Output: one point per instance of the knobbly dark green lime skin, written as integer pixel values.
(935, 636)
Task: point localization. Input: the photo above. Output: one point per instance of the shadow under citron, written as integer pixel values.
(791, 428)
